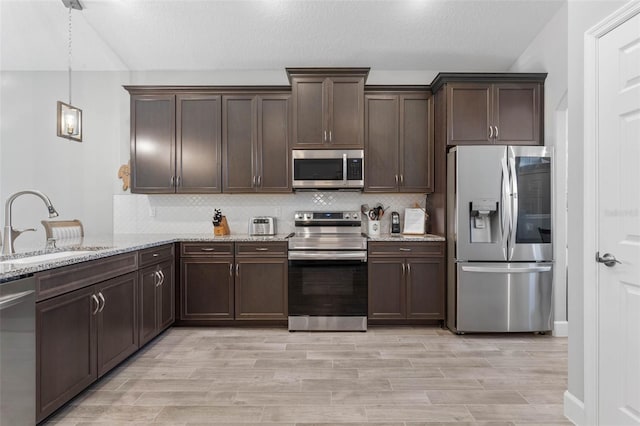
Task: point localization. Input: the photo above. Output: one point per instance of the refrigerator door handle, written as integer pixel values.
(505, 208)
(514, 204)
(499, 270)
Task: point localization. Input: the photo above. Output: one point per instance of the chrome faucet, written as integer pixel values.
(11, 234)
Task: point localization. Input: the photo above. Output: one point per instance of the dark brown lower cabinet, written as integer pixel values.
(227, 281)
(261, 288)
(157, 290)
(425, 288)
(206, 288)
(80, 336)
(406, 281)
(117, 321)
(387, 289)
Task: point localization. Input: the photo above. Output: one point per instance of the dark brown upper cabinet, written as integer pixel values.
(398, 141)
(153, 148)
(198, 148)
(175, 143)
(503, 109)
(255, 143)
(328, 107)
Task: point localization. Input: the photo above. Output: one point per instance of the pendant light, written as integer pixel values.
(69, 118)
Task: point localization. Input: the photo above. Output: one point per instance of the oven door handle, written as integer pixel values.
(327, 255)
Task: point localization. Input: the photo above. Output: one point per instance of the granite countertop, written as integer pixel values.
(97, 247)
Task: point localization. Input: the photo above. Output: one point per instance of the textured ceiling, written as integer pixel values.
(142, 35)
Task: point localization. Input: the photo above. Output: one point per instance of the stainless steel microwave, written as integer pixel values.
(328, 169)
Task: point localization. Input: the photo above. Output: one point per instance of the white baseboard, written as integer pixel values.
(561, 328)
(573, 408)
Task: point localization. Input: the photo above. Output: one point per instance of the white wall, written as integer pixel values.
(582, 15)
(78, 177)
(548, 53)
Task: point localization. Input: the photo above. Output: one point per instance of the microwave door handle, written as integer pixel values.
(505, 208)
(344, 169)
(514, 204)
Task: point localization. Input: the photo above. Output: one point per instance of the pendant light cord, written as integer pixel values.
(69, 57)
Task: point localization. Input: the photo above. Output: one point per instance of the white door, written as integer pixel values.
(619, 224)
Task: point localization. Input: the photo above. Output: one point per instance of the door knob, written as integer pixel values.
(608, 259)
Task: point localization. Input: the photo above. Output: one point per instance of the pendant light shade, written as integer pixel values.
(69, 118)
(69, 122)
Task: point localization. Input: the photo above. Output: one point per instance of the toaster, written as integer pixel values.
(262, 225)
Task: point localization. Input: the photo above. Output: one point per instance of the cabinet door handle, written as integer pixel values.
(325, 136)
(396, 179)
(496, 132)
(259, 180)
(179, 181)
(207, 249)
(230, 269)
(237, 269)
(490, 132)
(173, 178)
(262, 249)
(404, 249)
(101, 297)
(408, 269)
(156, 280)
(253, 181)
(403, 269)
(161, 277)
(95, 299)
(330, 136)
(401, 179)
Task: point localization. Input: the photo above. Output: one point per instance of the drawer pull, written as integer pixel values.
(155, 255)
(207, 249)
(404, 249)
(262, 249)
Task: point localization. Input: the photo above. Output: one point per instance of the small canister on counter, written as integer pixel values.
(373, 228)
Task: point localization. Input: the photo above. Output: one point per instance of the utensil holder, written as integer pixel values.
(222, 229)
(373, 228)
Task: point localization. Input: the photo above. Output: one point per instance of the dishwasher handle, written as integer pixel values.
(13, 299)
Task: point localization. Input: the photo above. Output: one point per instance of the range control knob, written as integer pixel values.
(355, 216)
(347, 216)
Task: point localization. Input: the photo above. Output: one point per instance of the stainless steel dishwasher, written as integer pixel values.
(18, 352)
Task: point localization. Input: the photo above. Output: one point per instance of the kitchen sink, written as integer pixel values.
(49, 257)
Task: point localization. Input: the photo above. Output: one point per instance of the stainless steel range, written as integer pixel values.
(328, 272)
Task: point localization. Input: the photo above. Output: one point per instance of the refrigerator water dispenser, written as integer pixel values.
(483, 219)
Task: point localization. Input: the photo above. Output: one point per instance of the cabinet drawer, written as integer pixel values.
(270, 249)
(62, 280)
(206, 249)
(406, 249)
(154, 255)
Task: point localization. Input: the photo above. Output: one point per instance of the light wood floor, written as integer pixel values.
(386, 376)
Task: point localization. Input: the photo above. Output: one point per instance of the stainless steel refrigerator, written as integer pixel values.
(499, 236)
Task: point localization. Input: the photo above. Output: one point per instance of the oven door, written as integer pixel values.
(328, 288)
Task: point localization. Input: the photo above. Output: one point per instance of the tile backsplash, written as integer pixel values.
(182, 213)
